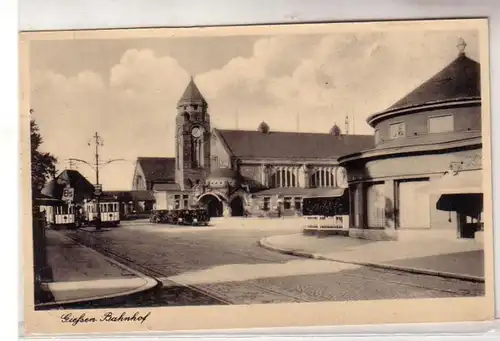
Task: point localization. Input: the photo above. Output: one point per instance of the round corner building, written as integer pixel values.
(424, 176)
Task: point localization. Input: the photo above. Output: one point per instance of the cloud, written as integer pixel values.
(134, 111)
(288, 81)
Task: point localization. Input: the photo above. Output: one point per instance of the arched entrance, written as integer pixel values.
(237, 208)
(213, 205)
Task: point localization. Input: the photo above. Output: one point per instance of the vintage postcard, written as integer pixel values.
(261, 176)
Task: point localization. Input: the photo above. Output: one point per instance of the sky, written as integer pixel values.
(127, 89)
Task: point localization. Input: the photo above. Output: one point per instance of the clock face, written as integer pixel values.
(196, 132)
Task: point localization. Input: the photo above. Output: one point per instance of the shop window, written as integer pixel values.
(441, 124)
(177, 201)
(397, 130)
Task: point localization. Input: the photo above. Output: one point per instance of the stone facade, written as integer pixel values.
(242, 173)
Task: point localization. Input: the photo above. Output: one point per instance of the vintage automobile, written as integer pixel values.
(195, 216)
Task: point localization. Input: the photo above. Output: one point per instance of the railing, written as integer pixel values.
(318, 223)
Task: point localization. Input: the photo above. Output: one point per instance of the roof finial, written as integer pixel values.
(461, 45)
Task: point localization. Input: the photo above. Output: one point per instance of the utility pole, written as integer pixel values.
(98, 188)
(98, 142)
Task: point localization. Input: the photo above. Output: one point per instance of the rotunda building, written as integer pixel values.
(424, 176)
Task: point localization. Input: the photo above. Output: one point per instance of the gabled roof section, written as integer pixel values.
(461, 79)
(157, 168)
(83, 188)
(192, 95)
(292, 145)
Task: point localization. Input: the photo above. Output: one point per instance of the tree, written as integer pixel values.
(43, 165)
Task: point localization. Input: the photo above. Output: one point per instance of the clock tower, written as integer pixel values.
(192, 138)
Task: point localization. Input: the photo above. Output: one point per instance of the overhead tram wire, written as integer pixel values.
(97, 140)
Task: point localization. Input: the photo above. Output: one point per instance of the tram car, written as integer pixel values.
(59, 216)
(109, 210)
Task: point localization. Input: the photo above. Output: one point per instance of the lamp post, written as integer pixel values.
(97, 188)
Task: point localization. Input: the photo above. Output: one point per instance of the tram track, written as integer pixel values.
(219, 291)
(372, 278)
(162, 278)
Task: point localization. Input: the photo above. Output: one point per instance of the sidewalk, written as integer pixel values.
(82, 274)
(460, 259)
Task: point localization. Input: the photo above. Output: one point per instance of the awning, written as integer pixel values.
(469, 204)
(464, 182)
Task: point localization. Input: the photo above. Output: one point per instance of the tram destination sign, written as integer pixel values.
(98, 190)
(68, 194)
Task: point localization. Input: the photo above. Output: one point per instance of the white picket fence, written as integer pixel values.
(319, 223)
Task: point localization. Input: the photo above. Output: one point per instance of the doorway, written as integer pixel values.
(214, 205)
(237, 208)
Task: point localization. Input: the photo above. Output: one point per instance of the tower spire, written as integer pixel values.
(192, 94)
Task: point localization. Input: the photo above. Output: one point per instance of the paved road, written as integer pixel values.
(227, 266)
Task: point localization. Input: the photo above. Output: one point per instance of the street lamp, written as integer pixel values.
(97, 188)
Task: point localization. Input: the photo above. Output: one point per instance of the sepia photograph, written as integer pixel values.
(258, 176)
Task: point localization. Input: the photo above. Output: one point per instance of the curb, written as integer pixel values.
(266, 245)
(149, 282)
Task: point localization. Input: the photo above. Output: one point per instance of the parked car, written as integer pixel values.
(197, 216)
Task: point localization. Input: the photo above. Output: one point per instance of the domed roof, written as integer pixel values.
(459, 80)
(223, 173)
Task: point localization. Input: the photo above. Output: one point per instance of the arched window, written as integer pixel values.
(283, 178)
(197, 152)
(138, 182)
(322, 178)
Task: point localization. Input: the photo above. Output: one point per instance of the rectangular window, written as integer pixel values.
(297, 203)
(441, 124)
(288, 203)
(267, 201)
(377, 136)
(177, 202)
(397, 130)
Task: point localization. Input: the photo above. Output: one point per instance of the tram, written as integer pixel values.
(59, 216)
(109, 210)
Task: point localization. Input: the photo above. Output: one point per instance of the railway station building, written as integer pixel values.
(424, 175)
(257, 172)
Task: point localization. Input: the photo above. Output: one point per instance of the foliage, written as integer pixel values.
(43, 165)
